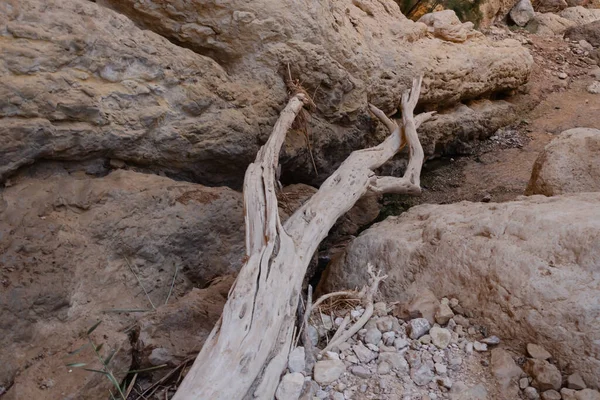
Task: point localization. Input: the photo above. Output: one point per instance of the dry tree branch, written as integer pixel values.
(248, 349)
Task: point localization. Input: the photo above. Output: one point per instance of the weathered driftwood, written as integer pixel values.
(343, 334)
(248, 348)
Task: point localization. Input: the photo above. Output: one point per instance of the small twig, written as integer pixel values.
(140, 282)
(155, 386)
(172, 284)
(341, 328)
(364, 318)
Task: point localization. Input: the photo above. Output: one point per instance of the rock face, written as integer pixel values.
(570, 163)
(69, 244)
(540, 283)
(588, 32)
(97, 86)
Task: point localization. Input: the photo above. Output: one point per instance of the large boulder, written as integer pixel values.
(530, 269)
(589, 32)
(75, 249)
(581, 15)
(570, 163)
(548, 23)
(96, 85)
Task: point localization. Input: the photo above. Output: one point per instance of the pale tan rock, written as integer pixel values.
(422, 304)
(568, 394)
(81, 235)
(446, 248)
(551, 395)
(537, 352)
(505, 370)
(549, 24)
(545, 375)
(493, 11)
(587, 394)
(205, 114)
(443, 314)
(522, 12)
(570, 163)
(580, 15)
(575, 381)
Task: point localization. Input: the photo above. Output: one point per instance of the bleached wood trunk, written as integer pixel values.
(248, 348)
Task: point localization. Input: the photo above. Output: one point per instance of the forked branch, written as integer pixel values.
(248, 349)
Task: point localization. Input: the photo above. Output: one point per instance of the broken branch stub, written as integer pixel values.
(248, 348)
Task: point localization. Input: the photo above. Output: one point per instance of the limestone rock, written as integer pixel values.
(83, 236)
(418, 327)
(198, 114)
(477, 392)
(290, 386)
(531, 393)
(551, 395)
(568, 394)
(422, 249)
(478, 346)
(396, 360)
(546, 376)
(421, 375)
(360, 371)
(522, 12)
(589, 32)
(549, 24)
(327, 371)
(538, 352)
(587, 394)
(364, 355)
(384, 368)
(373, 336)
(440, 337)
(575, 381)
(569, 163)
(296, 360)
(423, 304)
(504, 368)
(444, 314)
(594, 88)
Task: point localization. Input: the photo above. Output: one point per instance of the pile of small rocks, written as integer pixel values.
(394, 358)
(548, 383)
(427, 350)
